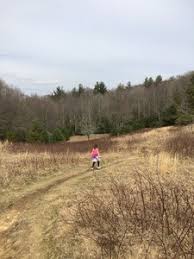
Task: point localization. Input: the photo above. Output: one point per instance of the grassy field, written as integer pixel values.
(139, 205)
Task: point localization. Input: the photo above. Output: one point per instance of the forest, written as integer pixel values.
(84, 111)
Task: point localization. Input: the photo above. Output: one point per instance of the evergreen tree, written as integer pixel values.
(128, 84)
(37, 133)
(150, 81)
(58, 93)
(17, 135)
(121, 87)
(170, 115)
(190, 95)
(80, 89)
(158, 80)
(75, 92)
(146, 82)
(66, 133)
(100, 88)
(184, 119)
(58, 135)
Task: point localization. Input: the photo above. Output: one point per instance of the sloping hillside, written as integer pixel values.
(54, 206)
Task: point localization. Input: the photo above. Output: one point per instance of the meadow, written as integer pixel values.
(139, 205)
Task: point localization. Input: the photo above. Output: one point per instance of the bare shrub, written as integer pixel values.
(182, 143)
(103, 222)
(151, 212)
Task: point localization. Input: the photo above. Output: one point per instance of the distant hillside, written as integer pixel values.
(84, 111)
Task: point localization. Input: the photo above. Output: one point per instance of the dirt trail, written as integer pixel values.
(24, 226)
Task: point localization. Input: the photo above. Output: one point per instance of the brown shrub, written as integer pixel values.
(151, 213)
(182, 143)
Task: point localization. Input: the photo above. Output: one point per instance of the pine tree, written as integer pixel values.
(58, 93)
(100, 88)
(58, 135)
(80, 89)
(146, 82)
(150, 81)
(158, 80)
(190, 96)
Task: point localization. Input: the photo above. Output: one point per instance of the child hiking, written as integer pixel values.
(95, 155)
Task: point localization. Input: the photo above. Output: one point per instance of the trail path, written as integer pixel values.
(25, 225)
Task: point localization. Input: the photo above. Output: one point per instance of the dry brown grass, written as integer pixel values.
(85, 138)
(24, 167)
(181, 143)
(81, 146)
(132, 160)
(158, 182)
(21, 163)
(29, 160)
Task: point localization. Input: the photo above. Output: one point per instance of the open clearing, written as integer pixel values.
(34, 213)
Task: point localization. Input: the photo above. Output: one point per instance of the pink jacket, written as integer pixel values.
(95, 152)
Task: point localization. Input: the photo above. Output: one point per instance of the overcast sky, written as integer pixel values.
(46, 43)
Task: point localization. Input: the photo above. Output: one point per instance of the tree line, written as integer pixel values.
(83, 110)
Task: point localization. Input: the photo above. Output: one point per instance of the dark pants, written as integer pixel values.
(98, 163)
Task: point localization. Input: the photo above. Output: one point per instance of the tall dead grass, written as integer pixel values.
(23, 167)
(181, 143)
(106, 144)
(22, 163)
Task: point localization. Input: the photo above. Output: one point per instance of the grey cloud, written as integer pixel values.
(68, 42)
